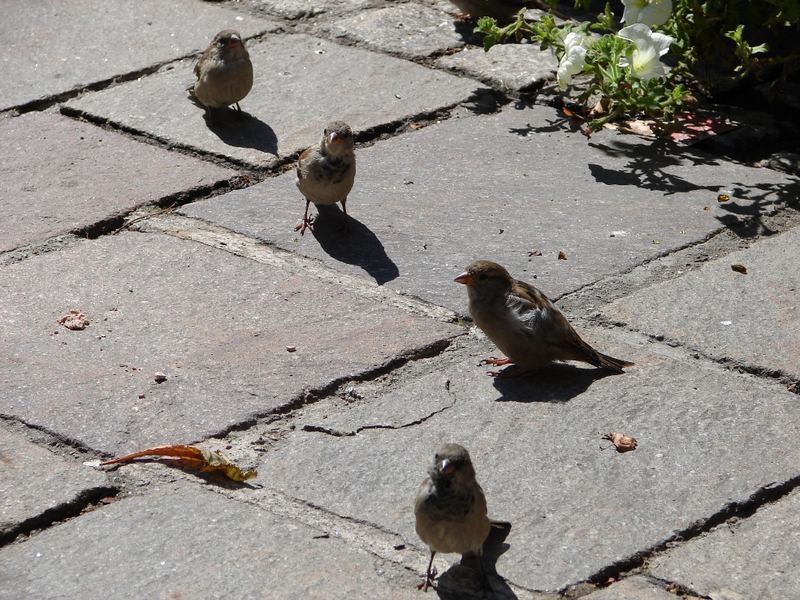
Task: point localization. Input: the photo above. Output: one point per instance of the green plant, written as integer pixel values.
(711, 46)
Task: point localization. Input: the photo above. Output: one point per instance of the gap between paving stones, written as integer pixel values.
(482, 102)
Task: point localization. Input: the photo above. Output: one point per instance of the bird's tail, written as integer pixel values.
(612, 364)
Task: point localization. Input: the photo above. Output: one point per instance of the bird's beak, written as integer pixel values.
(465, 278)
(332, 138)
(446, 468)
(233, 42)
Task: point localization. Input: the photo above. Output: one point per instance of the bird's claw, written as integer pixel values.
(496, 362)
(306, 223)
(428, 582)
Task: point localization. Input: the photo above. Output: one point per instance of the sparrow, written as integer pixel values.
(325, 172)
(450, 509)
(224, 72)
(501, 10)
(523, 323)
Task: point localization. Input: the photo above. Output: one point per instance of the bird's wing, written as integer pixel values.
(540, 317)
(198, 66)
(305, 156)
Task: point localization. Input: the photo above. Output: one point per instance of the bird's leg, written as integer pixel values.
(430, 575)
(346, 226)
(484, 575)
(238, 108)
(306, 222)
(496, 362)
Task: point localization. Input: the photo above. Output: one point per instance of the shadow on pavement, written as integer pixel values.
(464, 580)
(349, 241)
(242, 130)
(645, 169)
(558, 382)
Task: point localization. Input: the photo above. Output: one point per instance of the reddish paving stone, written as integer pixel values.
(59, 175)
(217, 325)
(33, 480)
(53, 47)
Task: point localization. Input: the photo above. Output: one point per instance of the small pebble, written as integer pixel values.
(291, 348)
(159, 377)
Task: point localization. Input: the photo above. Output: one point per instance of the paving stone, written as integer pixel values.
(297, 9)
(77, 174)
(513, 67)
(754, 558)
(216, 324)
(408, 30)
(428, 203)
(190, 543)
(576, 505)
(53, 47)
(752, 318)
(300, 82)
(634, 588)
(34, 480)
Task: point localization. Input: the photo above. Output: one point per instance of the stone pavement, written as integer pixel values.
(337, 362)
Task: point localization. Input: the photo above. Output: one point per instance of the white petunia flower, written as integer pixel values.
(644, 61)
(574, 58)
(650, 12)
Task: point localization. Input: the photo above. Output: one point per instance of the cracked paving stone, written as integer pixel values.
(184, 542)
(576, 505)
(299, 85)
(77, 174)
(408, 30)
(298, 9)
(752, 318)
(510, 67)
(756, 557)
(427, 203)
(62, 46)
(633, 588)
(33, 481)
(217, 325)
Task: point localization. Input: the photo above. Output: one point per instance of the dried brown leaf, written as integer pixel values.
(723, 198)
(622, 442)
(74, 320)
(191, 458)
(562, 255)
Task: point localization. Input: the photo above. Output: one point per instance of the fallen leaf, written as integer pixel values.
(562, 255)
(191, 458)
(723, 198)
(739, 269)
(534, 252)
(623, 443)
(74, 320)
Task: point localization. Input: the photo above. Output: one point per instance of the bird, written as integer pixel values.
(224, 72)
(450, 509)
(326, 171)
(501, 10)
(523, 323)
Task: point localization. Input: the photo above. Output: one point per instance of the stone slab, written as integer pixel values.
(191, 543)
(304, 9)
(754, 558)
(300, 82)
(428, 203)
(54, 47)
(633, 588)
(509, 67)
(407, 30)
(576, 505)
(34, 480)
(753, 319)
(215, 324)
(60, 175)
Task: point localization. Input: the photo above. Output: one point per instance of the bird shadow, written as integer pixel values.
(557, 382)
(348, 240)
(464, 579)
(241, 129)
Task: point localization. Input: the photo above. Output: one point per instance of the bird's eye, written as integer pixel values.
(481, 276)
